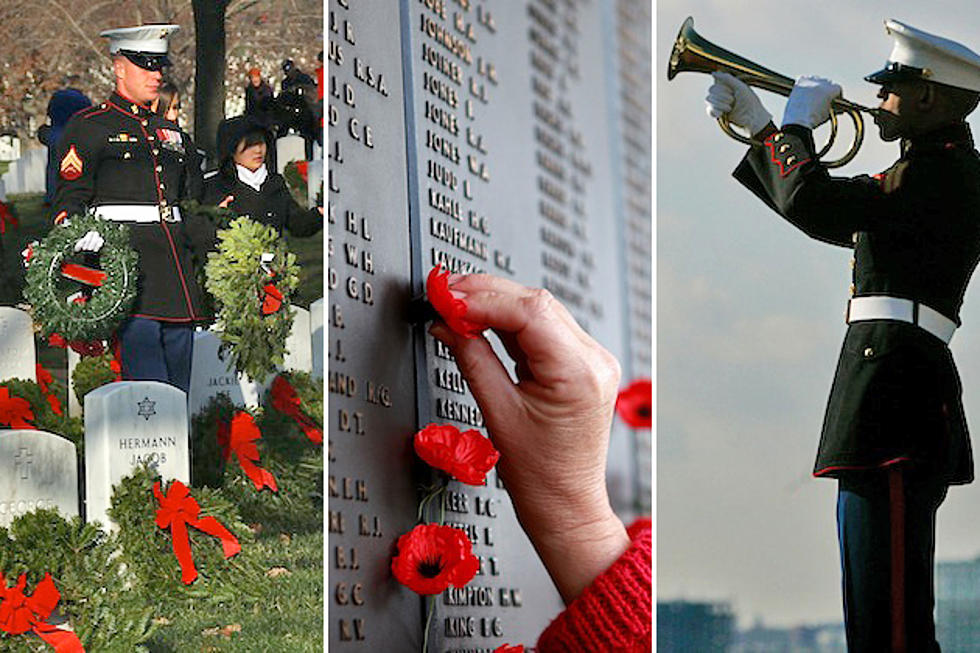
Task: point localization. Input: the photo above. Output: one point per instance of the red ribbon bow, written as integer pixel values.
(44, 379)
(6, 218)
(240, 437)
(83, 274)
(287, 402)
(20, 613)
(303, 168)
(14, 411)
(271, 300)
(177, 511)
(81, 347)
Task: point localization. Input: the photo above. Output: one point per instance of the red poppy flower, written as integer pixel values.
(466, 456)
(635, 404)
(507, 648)
(57, 340)
(451, 309)
(14, 411)
(116, 368)
(303, 168)
(431, 557)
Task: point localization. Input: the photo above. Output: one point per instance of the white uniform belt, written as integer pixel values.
(137, 213)
(881, 307)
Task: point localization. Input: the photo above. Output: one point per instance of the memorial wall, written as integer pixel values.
(509, 138)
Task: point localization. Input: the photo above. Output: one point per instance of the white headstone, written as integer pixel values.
(37, 470)
(290, 147)
(74, 408)
(314, 182)
(9, 147)
(316, 336)
(127, 423)
(16, 345)
(210, 375)
(299, 348)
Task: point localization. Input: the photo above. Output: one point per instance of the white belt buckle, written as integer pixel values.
(883, 307)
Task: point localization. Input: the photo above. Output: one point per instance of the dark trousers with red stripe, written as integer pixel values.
(156, 351)
(886, 524)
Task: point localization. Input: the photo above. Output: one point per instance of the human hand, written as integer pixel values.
(223, 204)
(90, 242)
(809, 102)
(551, 427)
(733, 98)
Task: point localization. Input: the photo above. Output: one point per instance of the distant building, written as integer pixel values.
(694, 627)
(958, 606)
(827, 638)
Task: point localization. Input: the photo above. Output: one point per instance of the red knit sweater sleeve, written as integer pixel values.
(615, 612)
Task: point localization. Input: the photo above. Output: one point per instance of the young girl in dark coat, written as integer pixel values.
(244, 183)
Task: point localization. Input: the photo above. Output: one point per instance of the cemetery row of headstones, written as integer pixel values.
(126, 423)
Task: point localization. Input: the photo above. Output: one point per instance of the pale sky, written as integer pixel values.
(750, 321)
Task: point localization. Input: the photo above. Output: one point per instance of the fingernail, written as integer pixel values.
(457, 294)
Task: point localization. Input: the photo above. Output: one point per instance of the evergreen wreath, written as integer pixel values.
(235, 277)
(48, 291)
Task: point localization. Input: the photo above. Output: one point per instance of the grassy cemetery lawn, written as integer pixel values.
(122, 590)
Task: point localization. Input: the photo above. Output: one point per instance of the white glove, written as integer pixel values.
(809, 102)
(90, 242)
(733, 98)
(265, 259)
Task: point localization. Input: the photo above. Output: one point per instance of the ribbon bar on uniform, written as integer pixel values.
(881, 307)
(137, 213)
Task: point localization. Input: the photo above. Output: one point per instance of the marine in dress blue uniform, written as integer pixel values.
(894, 433)
(132, 166)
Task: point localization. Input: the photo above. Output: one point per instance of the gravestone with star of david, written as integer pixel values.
(37, 470)
(16, 345)
(126, 424)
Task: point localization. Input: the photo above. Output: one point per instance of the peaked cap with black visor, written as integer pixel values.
(145, 46)
(919, 55)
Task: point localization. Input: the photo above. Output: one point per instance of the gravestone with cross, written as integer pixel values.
(37, 470)
(128, 424)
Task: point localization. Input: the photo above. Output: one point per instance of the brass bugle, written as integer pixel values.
(694, 53)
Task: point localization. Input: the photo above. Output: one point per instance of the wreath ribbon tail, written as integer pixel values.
(312, 431)
(211, 526)
(63, 641)
(260, 477)
(182, 549)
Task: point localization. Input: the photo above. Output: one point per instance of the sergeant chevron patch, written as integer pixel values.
(71, 165)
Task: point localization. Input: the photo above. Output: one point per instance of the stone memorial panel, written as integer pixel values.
(516, 150)
(299, 344)
(371, 383)
(126, 424)
(16, 345)
(37, 470)
(211, 375)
